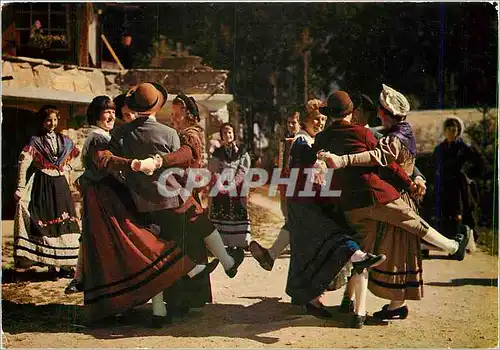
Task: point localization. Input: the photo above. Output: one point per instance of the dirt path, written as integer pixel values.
(459, 309)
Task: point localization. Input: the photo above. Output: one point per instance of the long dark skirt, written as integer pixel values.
(125, 264)
(47, 229)
(230, 216)
(320, 250)
(189, 231)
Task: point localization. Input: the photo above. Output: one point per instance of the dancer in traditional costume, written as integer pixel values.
(46, 228)
(229, 213)
(125, 264)
(266, 257)
(146, 138)
(125, 115)
(322, 252)
(185, 117)
(399, 278)
(366, 198)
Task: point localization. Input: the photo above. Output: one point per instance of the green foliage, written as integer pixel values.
(484, 136)
(488, 240)
(442, 55)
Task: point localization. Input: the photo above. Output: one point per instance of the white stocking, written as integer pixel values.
(79, 266)
(279, 245)
(434, 237)
(196, 270)
(361, 288)
(159, 308)
(216, 246)
(349, 290)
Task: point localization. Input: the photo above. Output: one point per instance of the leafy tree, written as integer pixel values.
(441, 55)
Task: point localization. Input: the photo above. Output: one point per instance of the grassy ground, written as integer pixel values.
(488, 240)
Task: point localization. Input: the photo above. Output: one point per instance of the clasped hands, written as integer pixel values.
(332, 160)
(148, 165)
(417, 188)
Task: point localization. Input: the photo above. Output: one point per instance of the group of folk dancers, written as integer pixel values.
(137, 244)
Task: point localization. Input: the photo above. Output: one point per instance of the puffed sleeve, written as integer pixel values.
(190, 150)
(390, 147)
(103, 158)
(25, 160)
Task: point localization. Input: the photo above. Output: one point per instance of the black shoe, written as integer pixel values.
(73, 287)
(67, 272)
(315, 311)
(386, 314)
(209, 268)
(53, 274)
(160, 321)
(238, 256)
(358, 321)
(463, 239)
(346, 306)
(261, 254)
(370, 261)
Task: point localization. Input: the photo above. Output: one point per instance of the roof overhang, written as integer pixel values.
(40, 94)
(211, 102)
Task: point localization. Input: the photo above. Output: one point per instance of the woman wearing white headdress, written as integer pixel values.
(399, 278)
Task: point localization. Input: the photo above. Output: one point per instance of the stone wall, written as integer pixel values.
(194, 81)
(42, 74)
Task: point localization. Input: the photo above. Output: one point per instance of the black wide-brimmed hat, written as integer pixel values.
(338, 105)
(146, 98)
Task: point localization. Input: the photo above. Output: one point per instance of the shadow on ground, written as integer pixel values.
(13, 275)
(458, 282)
(222, 320)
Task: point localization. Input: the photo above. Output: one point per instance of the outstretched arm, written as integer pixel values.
(181, 158)
(105, 159)
(190, 150)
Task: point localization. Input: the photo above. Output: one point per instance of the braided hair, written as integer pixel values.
(189, 105)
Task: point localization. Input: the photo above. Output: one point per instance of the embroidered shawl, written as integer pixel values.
(404, 133)
(44, 158)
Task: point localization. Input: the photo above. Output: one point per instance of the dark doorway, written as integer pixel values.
(18, 125)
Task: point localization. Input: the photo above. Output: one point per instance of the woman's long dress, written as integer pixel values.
(195, 225)
(399, 277)
(229, 213)
(46, 227)
(321, 247)
(124, 264)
